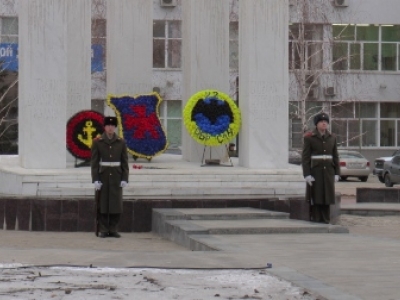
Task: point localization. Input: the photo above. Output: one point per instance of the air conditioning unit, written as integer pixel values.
(313, 94)
(329, 91)
(168, 3)
(341, 3)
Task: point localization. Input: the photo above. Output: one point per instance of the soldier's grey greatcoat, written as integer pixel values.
(324, 171)
(110, 150)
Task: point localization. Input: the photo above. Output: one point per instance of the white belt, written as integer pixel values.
(321, 157)
(110, 164)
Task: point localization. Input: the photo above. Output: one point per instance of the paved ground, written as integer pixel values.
(361, 265)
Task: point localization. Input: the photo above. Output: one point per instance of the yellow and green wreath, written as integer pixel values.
(212, 118)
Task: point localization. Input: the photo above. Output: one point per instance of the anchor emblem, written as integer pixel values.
(88, 131)
(82, 129)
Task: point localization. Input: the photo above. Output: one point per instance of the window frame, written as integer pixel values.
(167, 39)
(362, 47)
(10, 36)
(164, 117)
(310, 59)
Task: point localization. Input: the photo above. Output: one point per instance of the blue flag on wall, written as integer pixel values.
(9, 57)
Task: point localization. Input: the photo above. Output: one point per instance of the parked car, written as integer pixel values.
(379, 163)
(353, 164)
(391, 171)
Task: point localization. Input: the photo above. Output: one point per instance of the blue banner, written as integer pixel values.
(9, 57)
(97, 58)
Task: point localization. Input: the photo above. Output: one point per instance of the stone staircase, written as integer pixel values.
(201, 182)
(195, 228)
(166, 176)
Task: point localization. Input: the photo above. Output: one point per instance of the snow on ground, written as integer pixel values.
(18, 282)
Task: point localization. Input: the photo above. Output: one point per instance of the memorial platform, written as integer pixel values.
(165, 176)
(62, 199)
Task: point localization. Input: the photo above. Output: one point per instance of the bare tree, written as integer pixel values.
(8, 111)
(314, 57)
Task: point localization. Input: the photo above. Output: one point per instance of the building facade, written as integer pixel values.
(344, 59)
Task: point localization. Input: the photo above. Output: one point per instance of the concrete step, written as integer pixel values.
(172, 180)
(371, 209)
(182, 226)
(167, 191)
(242, 213)
(169, 184)
(166, 175)
(180, 182)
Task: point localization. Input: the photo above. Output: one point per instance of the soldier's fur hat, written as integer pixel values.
(321, 117)
(110, 121)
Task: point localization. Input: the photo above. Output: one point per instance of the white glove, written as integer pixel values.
(309, 179)
(97, 185)
(123, 184)
(337, 177)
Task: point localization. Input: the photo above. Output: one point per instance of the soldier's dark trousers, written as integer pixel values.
(109, 222)
(320, 213)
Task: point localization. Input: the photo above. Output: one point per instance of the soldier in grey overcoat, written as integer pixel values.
(110, 171)
(320, 162)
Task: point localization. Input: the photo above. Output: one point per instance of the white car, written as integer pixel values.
(353, 164)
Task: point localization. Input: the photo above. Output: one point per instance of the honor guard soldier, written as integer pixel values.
(320, 162)
(110, 171)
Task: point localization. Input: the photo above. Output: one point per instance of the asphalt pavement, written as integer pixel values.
(334, 266)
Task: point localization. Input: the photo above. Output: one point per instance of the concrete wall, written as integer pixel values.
(358, 11)
(361, 86)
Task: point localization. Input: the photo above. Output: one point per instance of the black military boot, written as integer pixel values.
(114, 234)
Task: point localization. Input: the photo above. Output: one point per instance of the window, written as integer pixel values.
(9, 30)
(305, 46)
(366, 47)
(171, 119)
(9, 44)
(366, 124)
(355, 123)
(296, 126)
(234, 45)
(8, 74)
(167, 44)
(347, 132)
(296, 133)
(398, 133)
(98, 44)
(390, 114)
(390, 47)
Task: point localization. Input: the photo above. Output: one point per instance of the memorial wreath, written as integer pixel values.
(82, 128)
(139, 123)
(212, 118)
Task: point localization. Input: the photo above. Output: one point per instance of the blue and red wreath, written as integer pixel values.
(82, 128)
(141, 126)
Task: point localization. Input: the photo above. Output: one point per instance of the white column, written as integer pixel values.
(79, 58)
(79, 55)
(43, 87)
(129, 47)
(205, 53)
(263, 83)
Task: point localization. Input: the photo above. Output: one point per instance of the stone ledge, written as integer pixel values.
(77, 214)
(378, 195)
